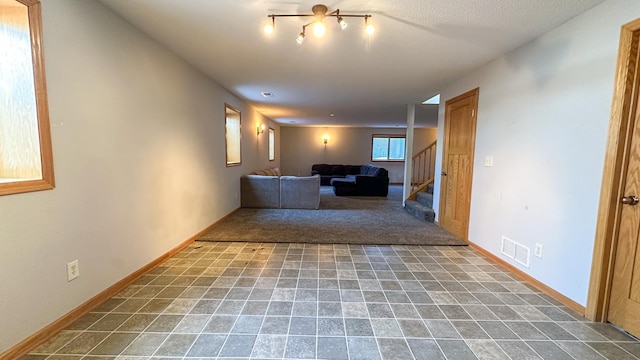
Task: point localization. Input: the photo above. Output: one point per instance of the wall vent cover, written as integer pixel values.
(515, 251)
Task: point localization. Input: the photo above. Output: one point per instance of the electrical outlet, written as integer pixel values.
(488, 161)
(538, 250)
(73, 270)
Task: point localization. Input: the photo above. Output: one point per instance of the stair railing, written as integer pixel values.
(423, 169)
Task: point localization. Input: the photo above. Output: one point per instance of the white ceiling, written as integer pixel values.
(418, 47)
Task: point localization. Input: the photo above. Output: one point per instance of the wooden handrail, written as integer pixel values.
(422, 169)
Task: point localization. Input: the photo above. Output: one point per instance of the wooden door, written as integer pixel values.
(624, 302)
(457, 164)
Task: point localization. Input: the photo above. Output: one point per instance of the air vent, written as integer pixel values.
(508, 247)
(515, 251)
(267, 94)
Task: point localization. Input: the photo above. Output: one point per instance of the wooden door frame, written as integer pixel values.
(475, 92)
(616, 159)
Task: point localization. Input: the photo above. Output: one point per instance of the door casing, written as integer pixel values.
(616, 157)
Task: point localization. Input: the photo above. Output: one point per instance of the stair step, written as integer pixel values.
(430, 188)
(425, 199)
(420, 211)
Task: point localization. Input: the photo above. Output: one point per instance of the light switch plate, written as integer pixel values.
(488, 160)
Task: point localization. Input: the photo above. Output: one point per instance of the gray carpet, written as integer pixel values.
(340, 220)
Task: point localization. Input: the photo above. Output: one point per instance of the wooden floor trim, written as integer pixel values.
(533, 282)
(60, 324)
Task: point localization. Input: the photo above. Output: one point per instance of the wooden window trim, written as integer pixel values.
(42, 108)
(270, 144)
(226, 143)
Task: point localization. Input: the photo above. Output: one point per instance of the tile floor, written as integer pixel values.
(301, 301)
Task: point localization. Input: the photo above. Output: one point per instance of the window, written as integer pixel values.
(272, 144)
(387, 148)
(26, 161)
(233, 135)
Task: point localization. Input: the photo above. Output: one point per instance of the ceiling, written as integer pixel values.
(418, 47)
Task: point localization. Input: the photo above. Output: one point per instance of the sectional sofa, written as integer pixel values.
(269, 189)
(370, 181)
(333, 171)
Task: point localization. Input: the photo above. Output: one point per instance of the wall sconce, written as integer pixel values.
(259, 129)
(325, 139)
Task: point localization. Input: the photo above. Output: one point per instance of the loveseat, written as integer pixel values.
(279, 192)
(370, 181)
(331, 171)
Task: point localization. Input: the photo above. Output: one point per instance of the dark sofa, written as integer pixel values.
(330, 171)
(370, 181)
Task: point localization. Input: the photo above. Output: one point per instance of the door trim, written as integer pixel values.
(475, 92)
(616, 159)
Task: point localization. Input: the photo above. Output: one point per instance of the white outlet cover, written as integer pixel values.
(488, 160)
(73, 270)
(538, 250)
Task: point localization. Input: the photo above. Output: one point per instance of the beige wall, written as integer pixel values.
(138, 145)
(303, 147)
(423, 138)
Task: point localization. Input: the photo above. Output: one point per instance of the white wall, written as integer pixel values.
(138, 144)
(303, 147)
(543, 115)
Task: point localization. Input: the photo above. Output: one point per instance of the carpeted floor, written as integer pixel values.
(340, 220)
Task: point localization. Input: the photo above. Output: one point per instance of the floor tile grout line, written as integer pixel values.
(196, 339)
(165, 339)
(205, 325)
(286, 344)
(449, 321)
(396, 320)
(236, 321)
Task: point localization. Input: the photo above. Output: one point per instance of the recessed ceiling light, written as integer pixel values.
(267, 94)
(332, 115)
(435, 100)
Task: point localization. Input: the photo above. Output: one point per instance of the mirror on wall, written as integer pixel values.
(26, 162)
(233, 135)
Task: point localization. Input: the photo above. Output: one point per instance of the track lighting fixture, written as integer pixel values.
(319, 12)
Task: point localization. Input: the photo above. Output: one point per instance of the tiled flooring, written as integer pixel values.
(274, 301)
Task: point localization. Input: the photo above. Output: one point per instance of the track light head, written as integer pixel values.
(368, 27)
(318, 28)
(269, 27)
(343, 24)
